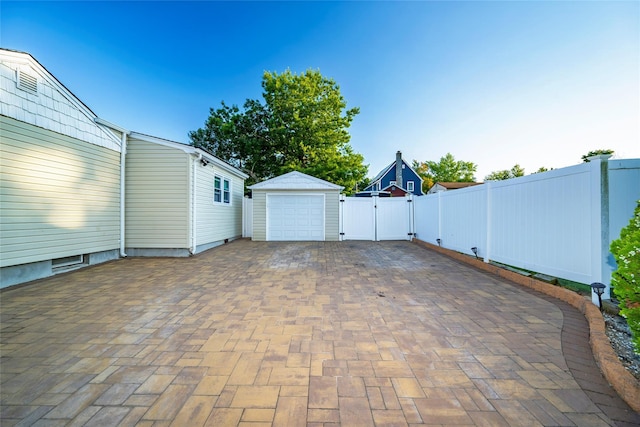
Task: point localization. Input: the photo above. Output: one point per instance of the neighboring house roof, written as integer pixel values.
(383, 172)
(394, 187)
(447, 186)
(295, 181)
(456, 185)
(370, 193)
(391, 168)
(190, 149)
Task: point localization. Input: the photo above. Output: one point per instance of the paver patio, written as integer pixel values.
(294, 334)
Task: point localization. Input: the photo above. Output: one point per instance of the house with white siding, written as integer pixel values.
(180, 200)
(76, 190)
(60, 186)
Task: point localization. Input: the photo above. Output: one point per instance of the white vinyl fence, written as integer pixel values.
(559, 223)
(376, 218)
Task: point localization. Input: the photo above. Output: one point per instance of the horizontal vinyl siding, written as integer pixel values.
(157, 196)
(59, 196)
(217, 221)
(332, 217)
(259, 215)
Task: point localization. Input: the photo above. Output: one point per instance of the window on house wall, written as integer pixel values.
(221, 190)
(226, 191)
(217, 189)
(410, 187)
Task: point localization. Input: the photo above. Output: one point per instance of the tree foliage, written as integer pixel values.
(422, 169)
(240, 138)
(302, 125)
(625, 280)
(585, 158)
(448, 169)
(501, 175)
(542, 169)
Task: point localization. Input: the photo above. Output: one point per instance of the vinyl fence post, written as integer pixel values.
(439, 214)
(341, 218)
(601, 271)
(412, 216)
(487, 250)
(374, 200)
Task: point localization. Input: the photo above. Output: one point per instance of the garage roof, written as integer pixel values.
(295, 181)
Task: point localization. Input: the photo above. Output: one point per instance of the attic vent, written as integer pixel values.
(27, 82)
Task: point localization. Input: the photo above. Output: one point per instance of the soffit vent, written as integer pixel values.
(27, 82)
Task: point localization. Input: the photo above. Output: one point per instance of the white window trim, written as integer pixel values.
(411, 186)
(223, 179)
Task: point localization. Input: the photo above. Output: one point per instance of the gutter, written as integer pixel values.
(123, 157)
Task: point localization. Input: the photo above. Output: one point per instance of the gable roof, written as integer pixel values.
(383, 172)
(295, 181)
(390, 167)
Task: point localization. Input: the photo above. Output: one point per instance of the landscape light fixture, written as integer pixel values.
(598, 288)
(475, 251)
(439, 242)
(204, 161)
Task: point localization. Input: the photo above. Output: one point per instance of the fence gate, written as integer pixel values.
(375, 218)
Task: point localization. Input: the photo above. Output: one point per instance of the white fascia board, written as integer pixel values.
(288, 182)
(189, 149)
(221, 164)
(110, 125)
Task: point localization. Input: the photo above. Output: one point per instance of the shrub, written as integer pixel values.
(626, 279)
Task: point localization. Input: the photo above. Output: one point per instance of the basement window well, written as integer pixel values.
(66, 262)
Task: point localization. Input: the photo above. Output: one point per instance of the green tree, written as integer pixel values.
(240, 138)
(422, 169)
(448, 169)
(302, 125)
(585, 158)
(514, 172)
(625, 281)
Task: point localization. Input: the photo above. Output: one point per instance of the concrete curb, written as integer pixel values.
(625, 384)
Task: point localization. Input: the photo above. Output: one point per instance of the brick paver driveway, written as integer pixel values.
(351, 333)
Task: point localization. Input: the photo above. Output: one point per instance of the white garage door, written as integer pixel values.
(295, 217)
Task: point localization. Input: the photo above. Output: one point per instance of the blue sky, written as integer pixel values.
(496, 83)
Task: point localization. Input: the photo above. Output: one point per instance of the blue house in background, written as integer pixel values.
(397, 179)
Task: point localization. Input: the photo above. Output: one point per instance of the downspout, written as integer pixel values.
(194, 182)
(123, 159)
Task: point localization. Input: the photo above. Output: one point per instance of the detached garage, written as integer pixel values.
(296, 207)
